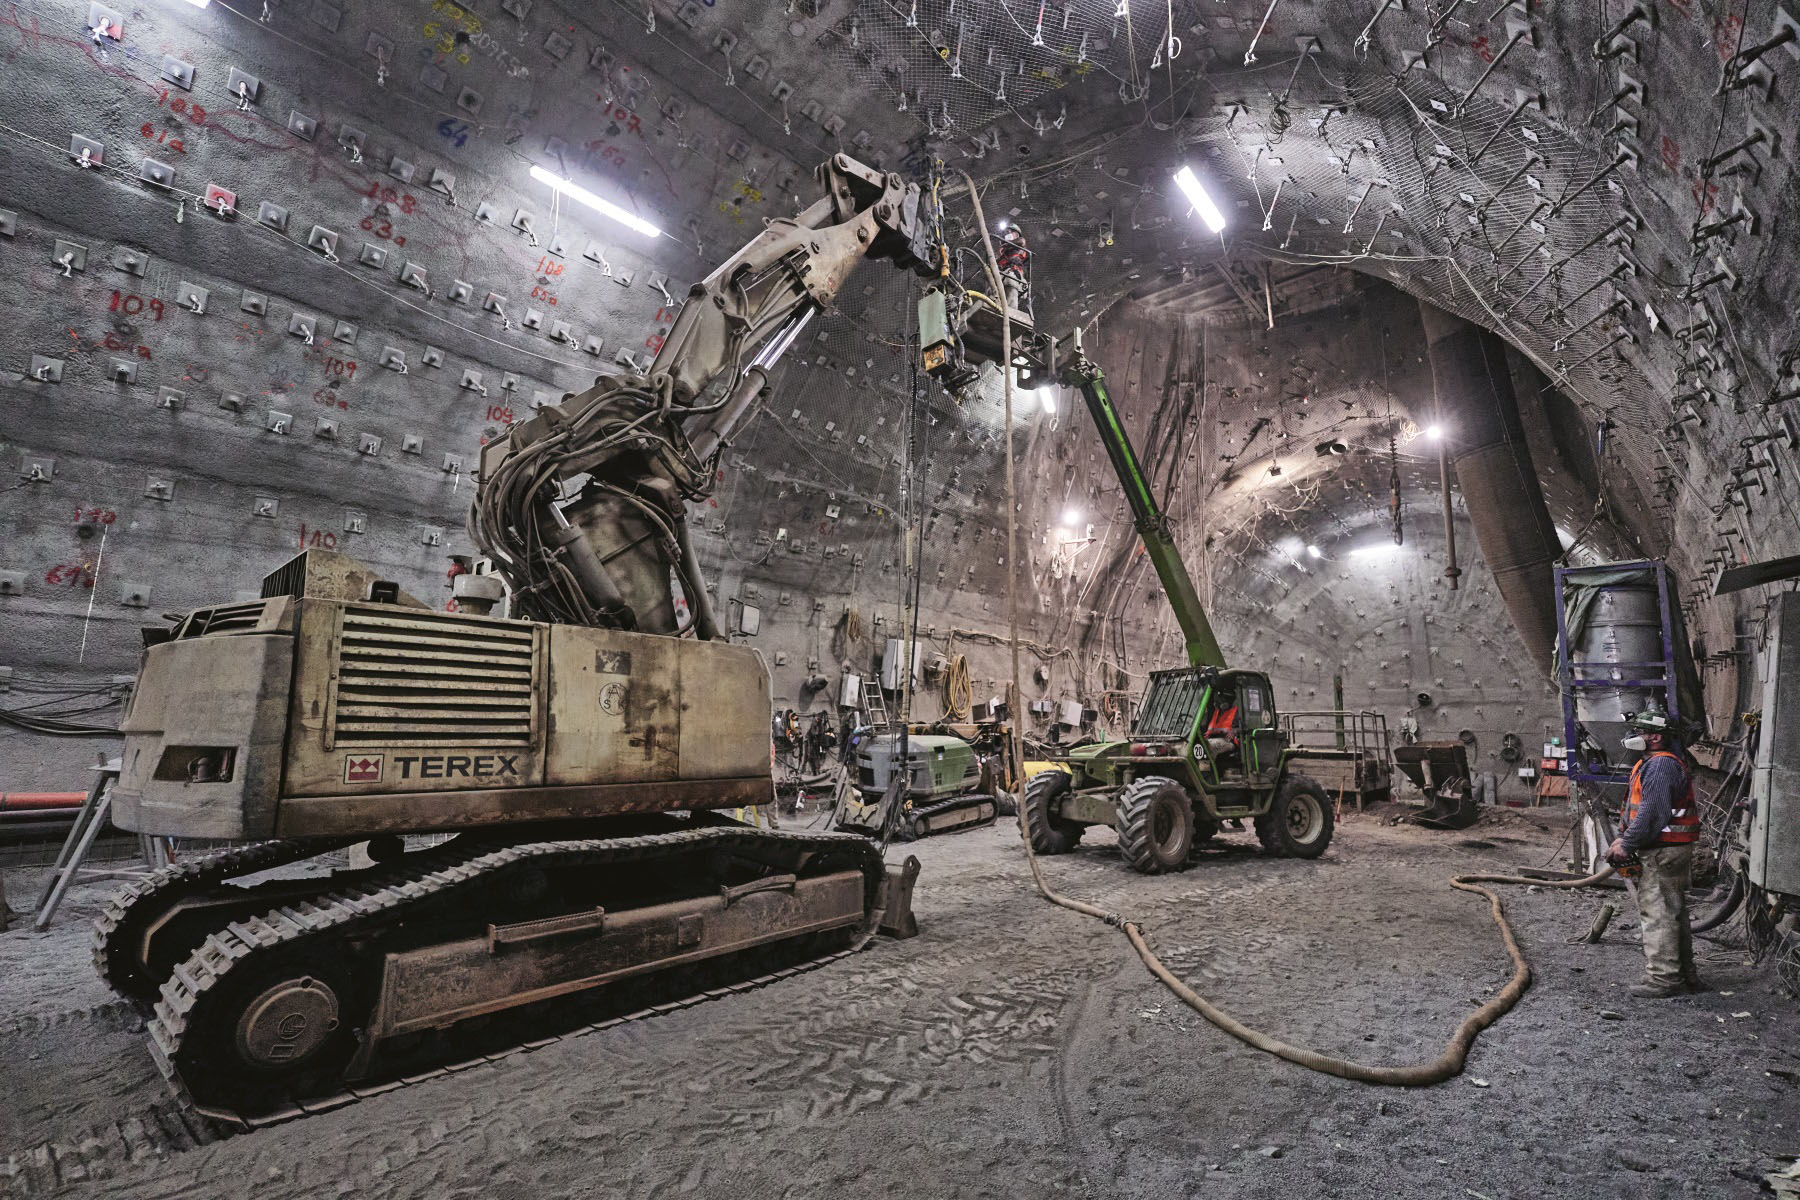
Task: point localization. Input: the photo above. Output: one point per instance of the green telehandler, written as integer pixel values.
(1207, 745)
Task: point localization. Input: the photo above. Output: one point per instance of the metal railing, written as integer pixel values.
(1358, 735)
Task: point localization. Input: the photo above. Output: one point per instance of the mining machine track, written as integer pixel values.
(298, 995)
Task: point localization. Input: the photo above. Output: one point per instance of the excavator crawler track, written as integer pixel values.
(951, 816)
(120, 928)
(331, 955)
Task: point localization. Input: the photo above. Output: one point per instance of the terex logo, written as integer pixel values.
(451, 766)
(365, 768)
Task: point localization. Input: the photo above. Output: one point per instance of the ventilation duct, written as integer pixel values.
(1494, 469)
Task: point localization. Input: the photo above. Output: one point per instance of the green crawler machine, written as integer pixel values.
(1207, 746)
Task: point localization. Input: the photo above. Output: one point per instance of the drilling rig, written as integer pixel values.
(578, 749)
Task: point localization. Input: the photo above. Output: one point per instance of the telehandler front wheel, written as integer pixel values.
(1156, 825)
(1299, 822)
(1049, 834)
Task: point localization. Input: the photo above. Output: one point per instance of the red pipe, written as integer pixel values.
(40, 800)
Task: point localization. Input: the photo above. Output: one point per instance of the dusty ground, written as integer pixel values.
(1015, 1049)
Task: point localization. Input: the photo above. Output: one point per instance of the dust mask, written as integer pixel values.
(1636, 741)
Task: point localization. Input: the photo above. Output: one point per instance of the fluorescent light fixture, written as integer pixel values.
(1047, 397)
(1314, 552)
(1203, 203)
(1376, 551)
(604, 207)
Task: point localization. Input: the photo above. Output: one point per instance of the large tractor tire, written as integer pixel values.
(1299, 823)
(1048, 833)
(1156, 825)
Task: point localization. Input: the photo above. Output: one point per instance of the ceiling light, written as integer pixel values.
(1434, 432)
(1071, 517)
(605, 207)
(1314, 552)
(1203, 203)
(1047, 397)
(199, 3)
(1378, 550)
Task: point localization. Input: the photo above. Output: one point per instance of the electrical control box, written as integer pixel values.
(1775, 785)
(893, 664)
(935, 339)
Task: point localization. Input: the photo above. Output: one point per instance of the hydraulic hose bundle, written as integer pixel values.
(621, 437)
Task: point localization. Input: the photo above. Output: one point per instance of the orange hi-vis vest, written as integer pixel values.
(1224, 722)
(1684, 815)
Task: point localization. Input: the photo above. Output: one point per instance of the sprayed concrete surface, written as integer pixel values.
(1015, 1049)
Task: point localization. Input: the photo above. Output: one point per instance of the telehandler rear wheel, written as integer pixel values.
(1048, 834)
(1156, 825)
(1299, 822)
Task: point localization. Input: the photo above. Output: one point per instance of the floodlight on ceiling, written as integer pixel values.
(1071, 517)
(1434, 432)
(199, 3)
(1203, 203)
(1314, 552)
(607, 208)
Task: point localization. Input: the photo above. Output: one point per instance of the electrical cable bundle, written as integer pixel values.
(54, 716)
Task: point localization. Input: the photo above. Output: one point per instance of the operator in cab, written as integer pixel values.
(1221, 728)
(1659, 826)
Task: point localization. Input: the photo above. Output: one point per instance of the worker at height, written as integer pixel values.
(1660, 825)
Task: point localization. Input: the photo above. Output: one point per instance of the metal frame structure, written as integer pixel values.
(1358, 736)
(1645, 675)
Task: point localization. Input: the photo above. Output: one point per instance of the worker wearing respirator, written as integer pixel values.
(1659, 827)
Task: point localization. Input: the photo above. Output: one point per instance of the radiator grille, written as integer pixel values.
(225, 618)
(414, 678)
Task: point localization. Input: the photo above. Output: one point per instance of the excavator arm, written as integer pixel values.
(583, 508)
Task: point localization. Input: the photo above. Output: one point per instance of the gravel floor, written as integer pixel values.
(1015, 1049)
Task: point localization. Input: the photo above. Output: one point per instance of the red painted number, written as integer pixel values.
(500, 413)
(113, 341)
(388, 195)
(73, 574)
(383, 228)
(1706, 195)
(131, 306)
(94, 516)
(544, 294)
(182, 107)
(322, 538)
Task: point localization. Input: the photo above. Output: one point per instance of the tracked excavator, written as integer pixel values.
(577, 749)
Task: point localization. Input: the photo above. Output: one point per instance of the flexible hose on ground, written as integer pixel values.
(1448, 1064)
(1734, 896)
